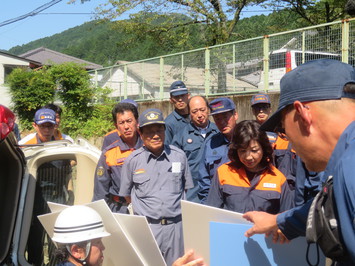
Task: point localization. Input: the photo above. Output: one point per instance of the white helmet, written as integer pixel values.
(78, 223)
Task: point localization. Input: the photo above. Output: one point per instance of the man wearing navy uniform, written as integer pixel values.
(154, 179)
(193, 137)
(108, 171)
(179, 118)
(216, 149)
(317, 113)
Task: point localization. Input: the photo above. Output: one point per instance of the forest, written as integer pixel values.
(102, 42)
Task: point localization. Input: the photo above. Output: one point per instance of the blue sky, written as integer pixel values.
(46, 23)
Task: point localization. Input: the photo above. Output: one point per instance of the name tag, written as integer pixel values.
(269, 185)
(176, 167)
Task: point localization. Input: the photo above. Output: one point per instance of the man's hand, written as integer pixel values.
(279, 237)
(264, 223)
(189, 260)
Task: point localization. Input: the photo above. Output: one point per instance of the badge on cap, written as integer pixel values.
(189, 141)
(152, 116)
(100, 171)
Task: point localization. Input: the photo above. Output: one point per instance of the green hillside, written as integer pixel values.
(105, 43)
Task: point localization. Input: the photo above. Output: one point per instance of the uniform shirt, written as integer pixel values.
(110, 138)
(292, 223)
(156, 184)
(215, 154)
(341, 166)
(192, 143)
(267, 191)
(286, 160)
(65, 263)
(174, 122)
(108, 171)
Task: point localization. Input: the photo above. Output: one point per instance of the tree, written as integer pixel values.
(315, 11)
(219, 17)
(31, 89)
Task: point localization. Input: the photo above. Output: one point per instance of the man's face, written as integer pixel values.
(96, 256)
(261, 111)
(153, 137)
(226, 122)
(126, 125)
(45, 131)
(306, 144)
(180, 102)
(199, 112)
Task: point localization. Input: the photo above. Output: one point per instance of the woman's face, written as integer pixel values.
(251, 156)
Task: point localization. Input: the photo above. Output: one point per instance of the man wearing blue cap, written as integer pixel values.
(114, 135)
(317, 113)
(52, 182)
(216, 149)
(261, 107)
(155, 178)
(179, 118)
(44, 124)
(108, 170)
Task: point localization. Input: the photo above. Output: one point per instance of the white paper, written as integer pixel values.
(121, 248)
(195, 222)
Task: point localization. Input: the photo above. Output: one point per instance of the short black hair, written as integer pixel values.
(54, 107)
(120, 108)
(244, 132)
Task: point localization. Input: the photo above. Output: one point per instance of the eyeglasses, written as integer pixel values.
(259, 107)
(50, 126)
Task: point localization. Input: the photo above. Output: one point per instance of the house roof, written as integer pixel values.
(49, 57)
(20, 58)
(193, 77)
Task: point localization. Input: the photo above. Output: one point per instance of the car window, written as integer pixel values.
(277, 60)
(55, 181)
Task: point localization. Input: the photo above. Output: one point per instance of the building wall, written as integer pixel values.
(5, 98)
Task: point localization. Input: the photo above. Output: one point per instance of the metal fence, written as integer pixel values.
(246, 66)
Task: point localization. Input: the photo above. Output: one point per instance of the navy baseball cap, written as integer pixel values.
(130, 101)
(260, 98)
(178, 88)
(221, 105)
(45, 116)
(315, 80)
(151, 116)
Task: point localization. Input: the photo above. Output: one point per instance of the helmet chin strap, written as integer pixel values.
(87, 252)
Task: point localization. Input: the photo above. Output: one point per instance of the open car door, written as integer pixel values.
(56, 171)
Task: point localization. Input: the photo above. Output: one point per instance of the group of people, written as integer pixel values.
(148, 163)
(152, 163)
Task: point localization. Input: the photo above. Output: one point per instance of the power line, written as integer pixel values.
(32, 13)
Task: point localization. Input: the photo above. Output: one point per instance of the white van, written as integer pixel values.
(284, 60)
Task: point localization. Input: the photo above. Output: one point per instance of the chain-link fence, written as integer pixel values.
(245, 66)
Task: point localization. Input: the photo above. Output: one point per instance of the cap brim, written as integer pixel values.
(45, 121)
(273, 122)
(152, 123)
(177, 93)
(219, 112)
